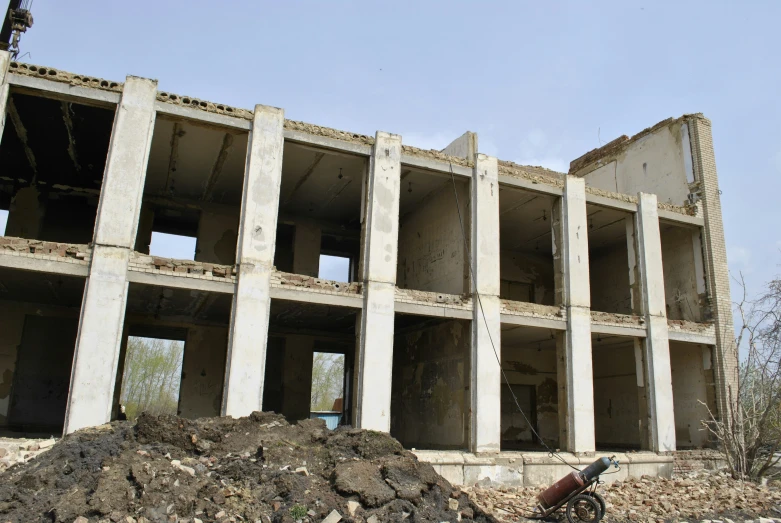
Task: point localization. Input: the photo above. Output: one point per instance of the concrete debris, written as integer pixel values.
(310, 282)
(435, 155)
(257, 468)
(183, 266)
(327, 132)
(64, 250)
(688, 497)
(56, 75)
(14, 451)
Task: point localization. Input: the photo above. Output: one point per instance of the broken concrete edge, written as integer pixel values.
(534, 174)
(310, 282)
(533, 309)
(691, 326)
(609, 318)
(63, 250)
(56, 75)
(432, 297)
(579, 166)
(688, 210)
(141, 260)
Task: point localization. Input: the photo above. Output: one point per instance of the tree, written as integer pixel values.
(327, 379)
(153, 370)
(750, 432)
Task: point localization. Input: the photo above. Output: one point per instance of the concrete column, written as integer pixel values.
(374, 360)
(486, 386)
(297, 377)
(105, 292)
(306, 249)
(246, 360)
(656, 347)
(575, 374)
(5, 62)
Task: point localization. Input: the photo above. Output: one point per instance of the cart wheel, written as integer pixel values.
(602, 509)
(583, 508)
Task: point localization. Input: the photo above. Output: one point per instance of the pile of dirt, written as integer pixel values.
(695, 496)
(256, 469)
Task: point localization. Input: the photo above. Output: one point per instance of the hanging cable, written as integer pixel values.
(551, 453)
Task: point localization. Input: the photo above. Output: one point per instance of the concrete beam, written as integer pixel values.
(62, 91)
(354, 301)
(533, 321)
(691, 337)
(324, 142)
(102, 318)
(375, 343)
(246, 359)
(27, 263)
(188, 113)
(615, 330)
(528, 185)
(486, 386)
(433, 310)
(180, 282)
(656, 347)
(430, 164)
(575, 374)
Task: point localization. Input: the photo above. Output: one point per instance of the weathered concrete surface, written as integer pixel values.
(246, 358)
(297, 377)
(375, 340)
(306, 249)
(570, 243)
(656, 350)
(485, 423)
(200, 392)
(103, 309)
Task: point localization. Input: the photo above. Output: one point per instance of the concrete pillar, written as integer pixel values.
(656, 349)
(246, 360)
(486, 386)
(306, 249)
(105, 293)
(297, 377)
(374, 361)
(5, 62)
(575, 374)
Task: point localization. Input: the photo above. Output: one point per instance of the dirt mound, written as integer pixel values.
(256, 469)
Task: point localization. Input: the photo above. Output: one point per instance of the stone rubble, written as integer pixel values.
(696, 496)
(14, 451)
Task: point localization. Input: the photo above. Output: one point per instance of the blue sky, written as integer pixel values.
(540, 82)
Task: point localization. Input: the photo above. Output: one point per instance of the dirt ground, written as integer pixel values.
(256, 469)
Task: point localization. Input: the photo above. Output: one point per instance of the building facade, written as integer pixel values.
(602, 295)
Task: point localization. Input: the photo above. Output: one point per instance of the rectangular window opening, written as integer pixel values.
(172, 246)
(327, 395)
(3, 221)
(336, 268)
(152, 376)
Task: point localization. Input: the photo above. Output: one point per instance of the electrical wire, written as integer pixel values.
(551, 453)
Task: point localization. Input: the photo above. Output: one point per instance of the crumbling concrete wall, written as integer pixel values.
(616, 404)
(531, 271)
(609, 279)
(430, 390)
(431, 244)
(656, 160)
(684, 294)
(529, 366)
(203, 371)
(692, 374)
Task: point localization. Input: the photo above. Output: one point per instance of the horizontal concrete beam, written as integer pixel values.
(324, 142)
(63, 91)
(619, 330)
(529, 185)
(435, 310)
(180, 282)
(26, 263)
(533, 321)
(678, 218)
(691, 337)
(354, 301)
(188, 113)
(431, 164)
(610, 203)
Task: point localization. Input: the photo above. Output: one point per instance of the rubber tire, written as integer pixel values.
(589, 500)
(600, 500)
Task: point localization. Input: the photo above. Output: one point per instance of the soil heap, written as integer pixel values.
(256, 469)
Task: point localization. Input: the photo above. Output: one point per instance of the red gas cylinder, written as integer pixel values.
(557, 492)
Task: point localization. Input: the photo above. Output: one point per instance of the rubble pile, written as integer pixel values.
(255, 469)
(696, 496)
(14, 451)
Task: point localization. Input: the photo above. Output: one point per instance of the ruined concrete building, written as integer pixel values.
(604, 290)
